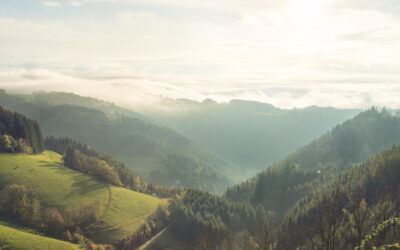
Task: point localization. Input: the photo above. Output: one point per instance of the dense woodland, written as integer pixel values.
(19, 134)
(311, 194)
(281, 185)
(358, 208)
(346, 211)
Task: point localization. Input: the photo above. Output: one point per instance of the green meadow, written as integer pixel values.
(122, 210)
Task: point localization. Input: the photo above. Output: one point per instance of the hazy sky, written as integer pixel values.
(343, 53)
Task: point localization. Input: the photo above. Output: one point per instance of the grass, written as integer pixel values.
(124, 204)
(15, 238)
(122, 211)
(56, 185)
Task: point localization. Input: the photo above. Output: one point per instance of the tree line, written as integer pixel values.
(19, 134)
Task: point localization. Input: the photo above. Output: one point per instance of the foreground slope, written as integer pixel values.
(122, 210)
(15, 238)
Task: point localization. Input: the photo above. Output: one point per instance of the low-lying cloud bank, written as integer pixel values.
(135, 92)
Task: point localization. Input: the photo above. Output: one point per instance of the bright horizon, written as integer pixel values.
(288, 53)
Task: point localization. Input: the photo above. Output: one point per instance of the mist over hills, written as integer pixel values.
(246, 133)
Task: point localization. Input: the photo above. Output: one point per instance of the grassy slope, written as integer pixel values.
(128, 210)
(15, 238)
(123, 210)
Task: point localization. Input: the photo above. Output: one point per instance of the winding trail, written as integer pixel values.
(109, 201)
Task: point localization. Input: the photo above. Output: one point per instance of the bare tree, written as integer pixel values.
(328, 220)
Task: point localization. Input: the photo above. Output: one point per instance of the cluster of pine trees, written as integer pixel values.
(19, 134)
(277, 189)
(216, 223)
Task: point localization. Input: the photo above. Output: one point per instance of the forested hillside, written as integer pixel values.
(356, 209)
(351, 142)
(283, 184)
(247, 134)
(157, 153)
(360, 208)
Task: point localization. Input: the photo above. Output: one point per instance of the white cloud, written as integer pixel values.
(211, 47)
(138, 92)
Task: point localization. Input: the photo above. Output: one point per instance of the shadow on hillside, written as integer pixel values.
(83, 184)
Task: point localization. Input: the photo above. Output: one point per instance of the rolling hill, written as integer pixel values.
(157, 153)
(12, 237)
(122, 210)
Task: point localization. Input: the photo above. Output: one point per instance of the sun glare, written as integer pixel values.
(303, 14)
(304, 19)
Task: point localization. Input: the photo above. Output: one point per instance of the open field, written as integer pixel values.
(122, 210)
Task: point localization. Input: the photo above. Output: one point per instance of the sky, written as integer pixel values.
(289, 53)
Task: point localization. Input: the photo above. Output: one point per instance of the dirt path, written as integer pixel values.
(142, 247)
